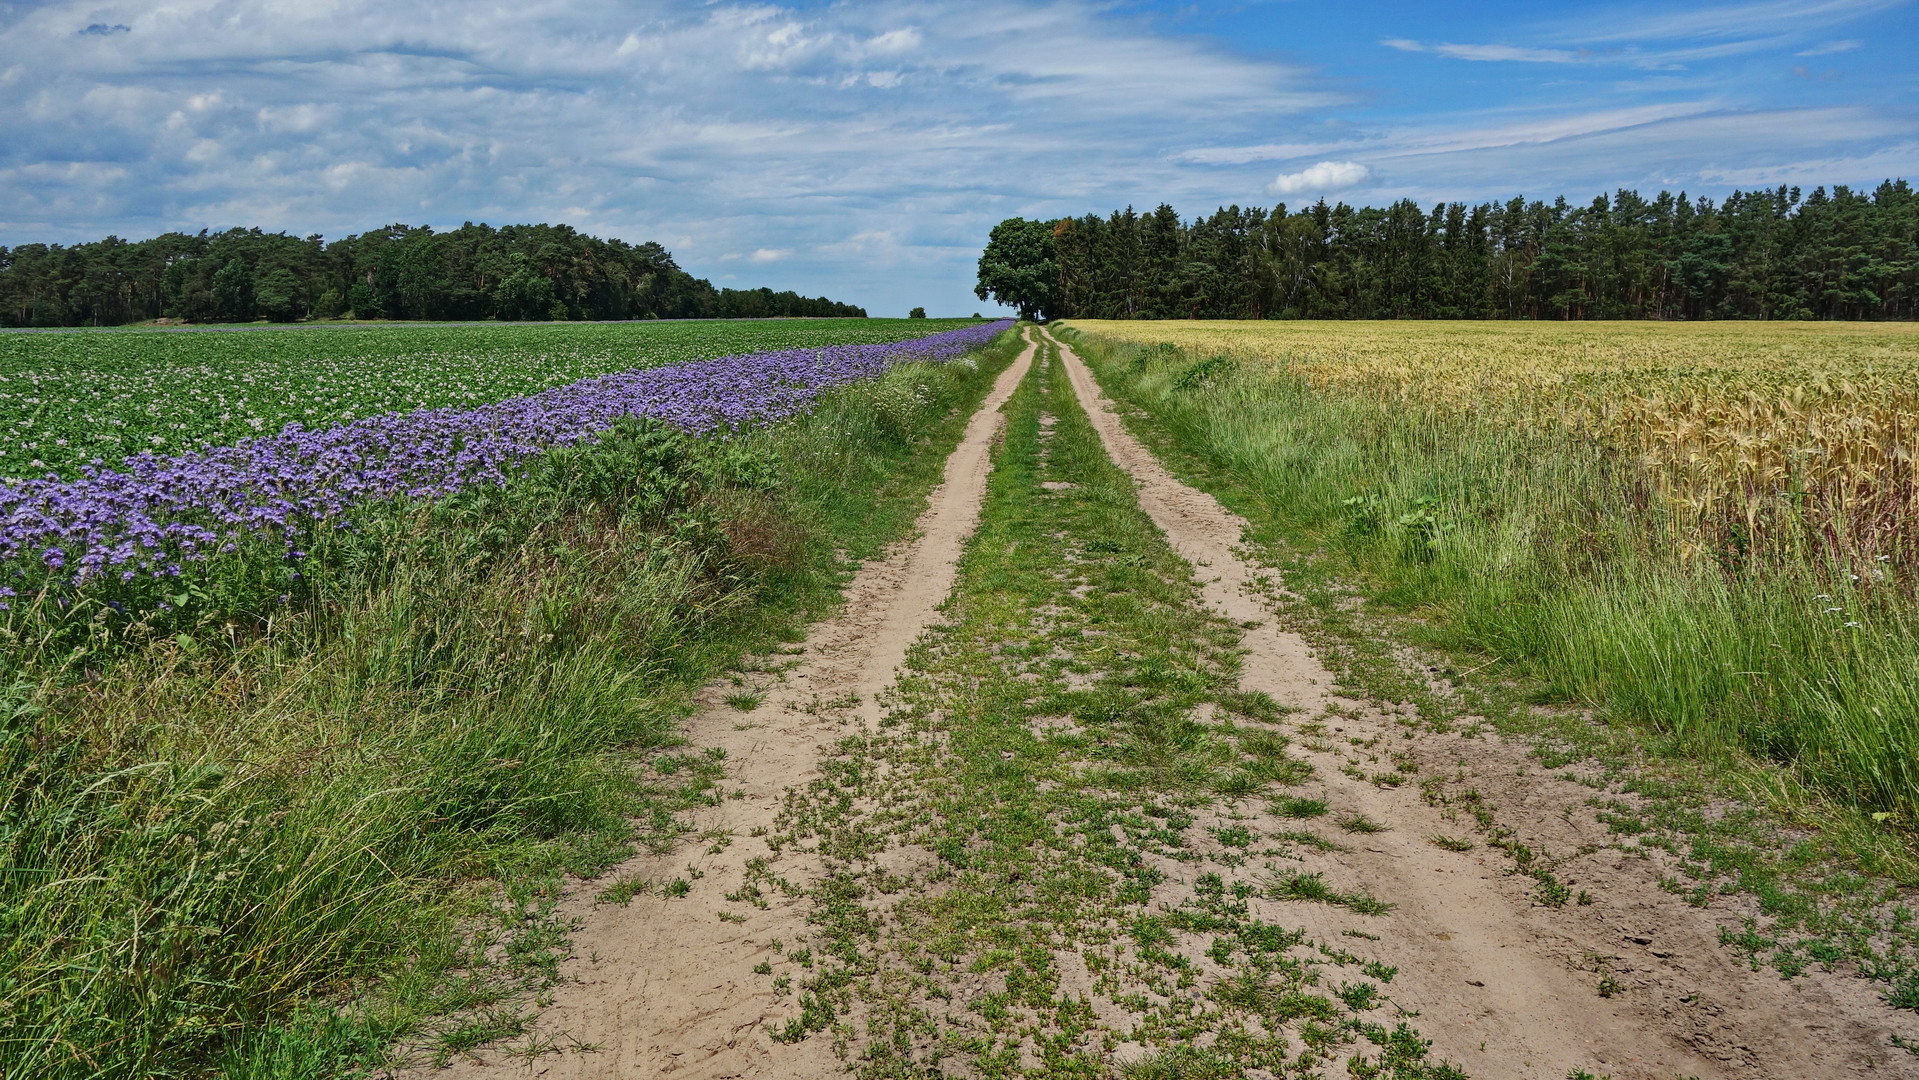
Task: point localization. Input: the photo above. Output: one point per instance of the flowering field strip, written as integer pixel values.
(156, 513)
(70, 398)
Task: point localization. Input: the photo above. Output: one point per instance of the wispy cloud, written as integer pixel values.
(1764, 18)
(1397, 142)
(1485, 52)
(1640, 36)
(1676, 145)
(1533, 131)
(1898, 160)
(1507, 52)
(1242, 155)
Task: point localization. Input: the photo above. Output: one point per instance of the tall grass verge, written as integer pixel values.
(1544, 552)
(270, 847)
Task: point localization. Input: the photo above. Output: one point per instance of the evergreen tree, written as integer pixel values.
(1767, 254)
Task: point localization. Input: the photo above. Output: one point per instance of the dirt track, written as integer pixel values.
(1503, 986)
(664, 986)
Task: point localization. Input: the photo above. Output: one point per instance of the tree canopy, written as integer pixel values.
(1017, 267)
(1768, 254)
(399, 272)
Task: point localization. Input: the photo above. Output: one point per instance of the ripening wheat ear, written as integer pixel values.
(1771, 439)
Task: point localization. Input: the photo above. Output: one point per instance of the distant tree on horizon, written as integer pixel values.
(1017, 268)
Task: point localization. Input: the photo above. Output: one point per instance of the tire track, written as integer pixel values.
(1491, 991)
(664, 986)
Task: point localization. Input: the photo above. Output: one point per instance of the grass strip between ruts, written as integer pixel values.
(1036, 863)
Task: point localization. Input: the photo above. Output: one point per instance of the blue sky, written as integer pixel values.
(863, 150)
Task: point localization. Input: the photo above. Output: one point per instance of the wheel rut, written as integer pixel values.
(1503, 986)
(663, 986)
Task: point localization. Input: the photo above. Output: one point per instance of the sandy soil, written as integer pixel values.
(1505, 987)
(664, 987)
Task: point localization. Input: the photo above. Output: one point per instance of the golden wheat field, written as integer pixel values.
(1796, 429)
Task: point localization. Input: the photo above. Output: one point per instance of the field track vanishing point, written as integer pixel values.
(1503, 986)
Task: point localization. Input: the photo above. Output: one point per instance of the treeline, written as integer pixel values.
(515, 272)
(1767, 254)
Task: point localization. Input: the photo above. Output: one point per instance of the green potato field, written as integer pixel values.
(70, 398)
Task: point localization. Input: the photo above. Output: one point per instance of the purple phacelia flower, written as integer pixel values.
(178, 509)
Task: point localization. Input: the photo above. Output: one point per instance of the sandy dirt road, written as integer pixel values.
(663, 986)
(1506, 987)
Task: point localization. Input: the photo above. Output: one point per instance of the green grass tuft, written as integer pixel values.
(1298, 807)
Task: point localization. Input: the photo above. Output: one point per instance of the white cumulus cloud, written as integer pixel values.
(863, 149)
(1325, 176)
(765, 135)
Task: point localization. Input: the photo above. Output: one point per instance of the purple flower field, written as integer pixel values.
(148, 518)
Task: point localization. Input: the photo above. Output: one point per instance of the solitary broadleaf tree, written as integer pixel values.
(1017, 268)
